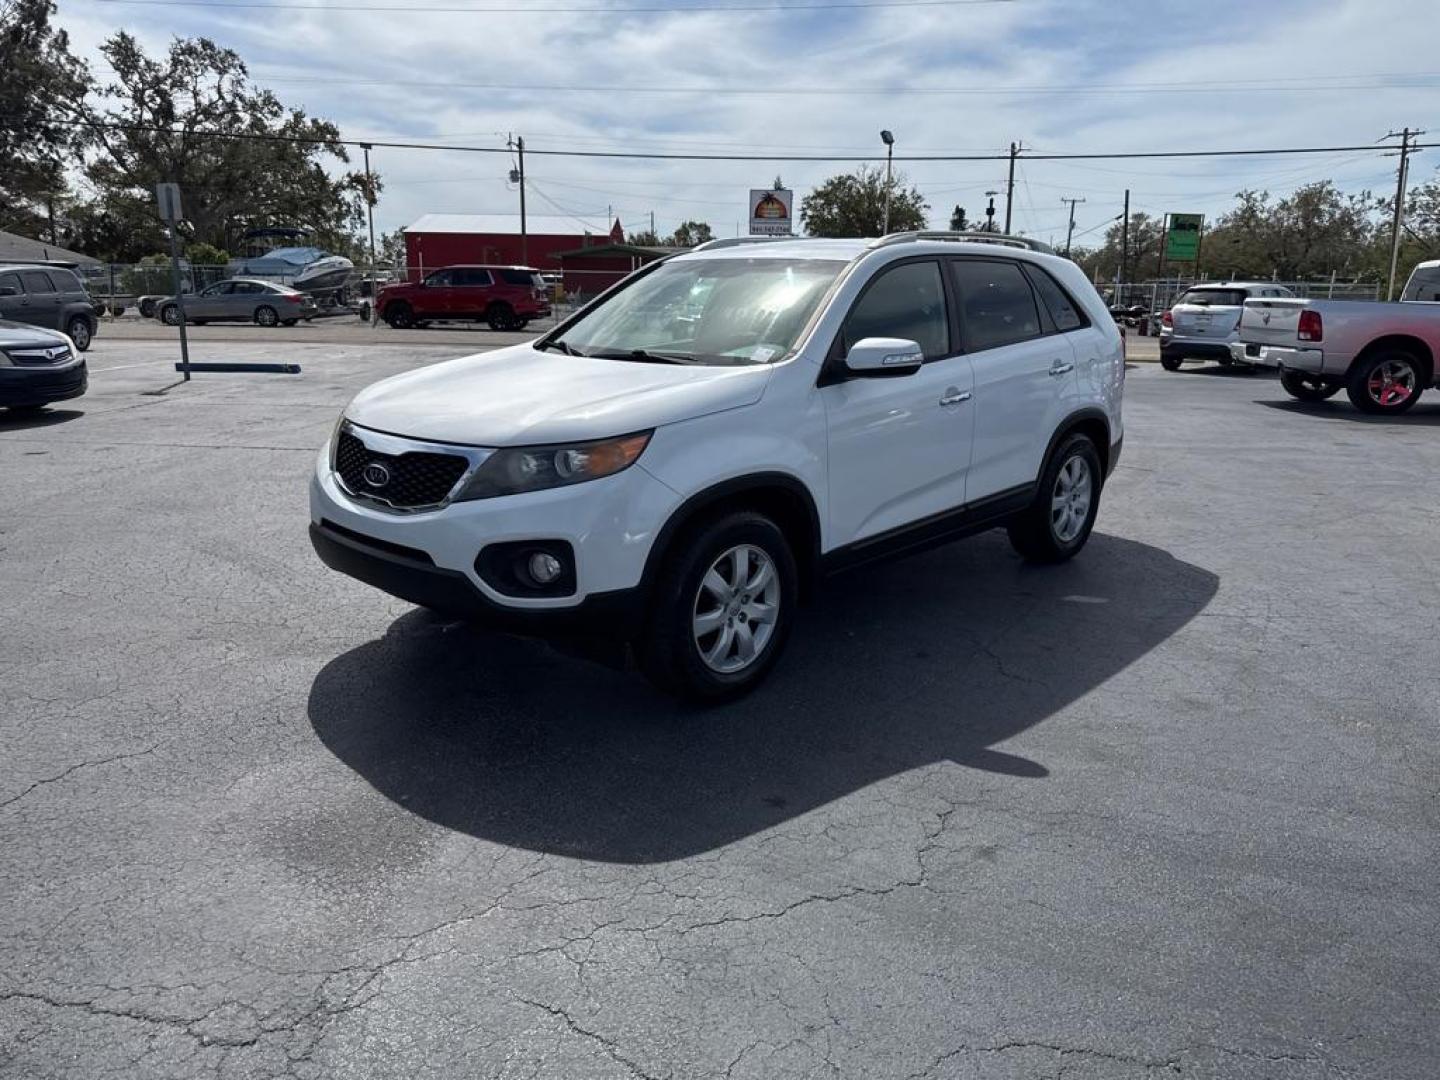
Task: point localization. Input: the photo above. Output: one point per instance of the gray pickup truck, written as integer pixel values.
(1382, 355)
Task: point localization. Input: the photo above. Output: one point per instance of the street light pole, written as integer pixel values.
(889, 140)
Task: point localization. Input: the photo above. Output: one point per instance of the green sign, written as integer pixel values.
(1182, 241)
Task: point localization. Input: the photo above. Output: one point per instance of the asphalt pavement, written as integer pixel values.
(1166, 811)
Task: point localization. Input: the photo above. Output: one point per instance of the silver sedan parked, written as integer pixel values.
(247, 299)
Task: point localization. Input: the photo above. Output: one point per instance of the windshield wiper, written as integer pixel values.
(568, 350)
(644, 356)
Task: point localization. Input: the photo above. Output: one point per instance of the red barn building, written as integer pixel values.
(552, 244)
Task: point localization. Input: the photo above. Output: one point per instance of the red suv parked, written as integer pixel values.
(506, 297)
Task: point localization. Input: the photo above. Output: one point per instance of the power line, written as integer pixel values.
(1027, 155)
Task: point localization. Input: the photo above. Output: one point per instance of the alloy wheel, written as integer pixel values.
(1070, 499)
(733, 617)
(1392, 383)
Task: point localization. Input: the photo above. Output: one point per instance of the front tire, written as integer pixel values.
(1303, 386)
(265, 315)
(1058, 523)
(1385, 384)
(399, 316)
(722, 609)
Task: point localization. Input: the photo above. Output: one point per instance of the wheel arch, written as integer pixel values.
(1090, 421)
(780, 496)
(1408, 343)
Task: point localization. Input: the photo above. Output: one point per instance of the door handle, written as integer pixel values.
(1059, 368)
(954, 396)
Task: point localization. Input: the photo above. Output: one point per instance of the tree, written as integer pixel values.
(39, 82)
(691, 233)
(155, 116)
(1146, 233)
(645, 239)
(958, 221)
(853, 204)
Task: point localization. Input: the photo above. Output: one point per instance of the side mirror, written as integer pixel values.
(883, 356)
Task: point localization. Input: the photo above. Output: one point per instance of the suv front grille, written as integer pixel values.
(407, 481)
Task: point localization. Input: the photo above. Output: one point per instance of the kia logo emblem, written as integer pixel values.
(376, 475)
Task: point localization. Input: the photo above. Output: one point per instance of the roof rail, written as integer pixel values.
(736, 241)
(964, 237)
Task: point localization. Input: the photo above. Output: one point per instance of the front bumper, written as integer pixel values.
(609, 524)
(1310, 361)
(42, 385)
(412, 577)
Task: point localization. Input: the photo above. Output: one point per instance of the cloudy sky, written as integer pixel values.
(956, 77)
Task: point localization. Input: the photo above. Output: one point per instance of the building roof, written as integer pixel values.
(508, 225)
(612, 249)
(15, 248)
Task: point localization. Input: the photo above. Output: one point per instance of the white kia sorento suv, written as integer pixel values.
(677, 464)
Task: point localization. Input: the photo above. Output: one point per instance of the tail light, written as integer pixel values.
(1167, 319)
(1311, 328)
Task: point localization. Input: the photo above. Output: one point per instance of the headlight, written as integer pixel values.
(532, 468)
(334, 442)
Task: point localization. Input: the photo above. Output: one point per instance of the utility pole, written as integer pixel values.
(370, 215)
(1015, 149)
(652, 226)
(1069, 232)
(1397, 222)
(990, 211)
(1125, 240)
(889, 140)
(518, 176)
(1160, 256)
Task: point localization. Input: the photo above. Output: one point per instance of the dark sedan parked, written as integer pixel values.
(38, 367)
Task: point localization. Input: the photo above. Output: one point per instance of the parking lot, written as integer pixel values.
(1167, 810)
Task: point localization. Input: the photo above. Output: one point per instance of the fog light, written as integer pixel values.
(544, 568)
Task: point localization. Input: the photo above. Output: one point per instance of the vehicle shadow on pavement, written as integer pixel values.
(937, 657)
(1422, 414)
(15, 421)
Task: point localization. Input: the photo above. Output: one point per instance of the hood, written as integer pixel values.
(19, 335)
(520, 396)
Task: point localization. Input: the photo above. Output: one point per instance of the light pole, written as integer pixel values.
(1070, 231)
(370, 215)
(889, 140)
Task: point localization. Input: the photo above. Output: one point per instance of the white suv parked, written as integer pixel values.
(678, 463)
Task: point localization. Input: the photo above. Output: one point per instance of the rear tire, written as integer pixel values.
(722, 609)
(1058, 523)
(79, 331)
(1386, 383)
(501, 316)
(1303, 386)
(170, 315)
(1169, 361)
(147, 309)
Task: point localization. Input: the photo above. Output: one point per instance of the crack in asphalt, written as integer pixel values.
(75, 768)
(1170, 1064)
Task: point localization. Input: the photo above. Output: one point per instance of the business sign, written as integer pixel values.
(1182, 239)
(770, 212)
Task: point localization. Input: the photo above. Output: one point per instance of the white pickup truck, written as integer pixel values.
(1383, 355)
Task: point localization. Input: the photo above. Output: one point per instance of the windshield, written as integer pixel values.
(708, 311)
(1213, 298)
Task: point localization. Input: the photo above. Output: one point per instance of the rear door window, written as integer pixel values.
(1064, 312)
(997, 305)
(472, 277)
(37, 281)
